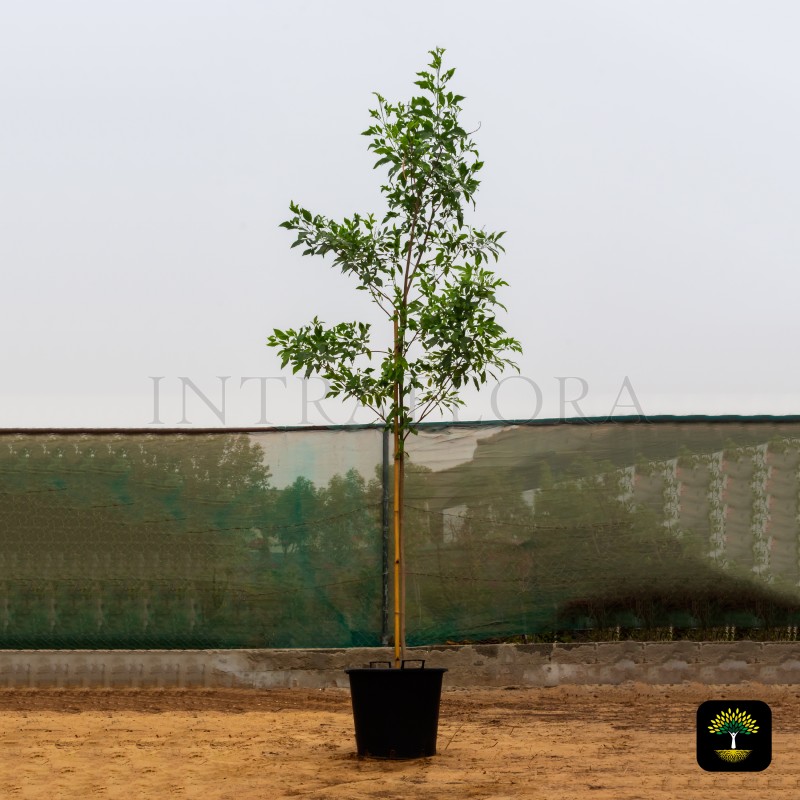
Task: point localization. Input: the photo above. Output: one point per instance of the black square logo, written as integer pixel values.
(734, 735)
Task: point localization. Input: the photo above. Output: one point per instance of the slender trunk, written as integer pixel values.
(733, 740)
(399, 606)
(398, 560)
(403, 604)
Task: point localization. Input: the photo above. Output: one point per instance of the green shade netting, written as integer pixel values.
(276, 538)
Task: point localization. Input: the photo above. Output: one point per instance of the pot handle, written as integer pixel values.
(373, 663)
(420, 661)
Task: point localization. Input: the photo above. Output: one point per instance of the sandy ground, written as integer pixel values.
(605, 743)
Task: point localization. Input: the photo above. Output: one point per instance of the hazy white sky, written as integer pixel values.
(642, 156)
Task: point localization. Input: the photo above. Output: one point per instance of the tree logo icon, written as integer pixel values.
(733, 723)
(734, 735)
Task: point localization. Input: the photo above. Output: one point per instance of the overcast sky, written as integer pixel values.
(643, 157)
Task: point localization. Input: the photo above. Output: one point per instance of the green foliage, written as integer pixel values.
(424, 267)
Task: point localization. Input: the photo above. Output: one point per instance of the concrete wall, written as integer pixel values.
(480, 665)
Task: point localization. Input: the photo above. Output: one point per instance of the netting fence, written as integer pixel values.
(279, 538)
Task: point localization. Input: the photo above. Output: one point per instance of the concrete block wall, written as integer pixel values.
(467, 665)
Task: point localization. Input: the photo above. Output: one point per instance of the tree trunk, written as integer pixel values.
(399, 567)
(403, 615)
(733, 740)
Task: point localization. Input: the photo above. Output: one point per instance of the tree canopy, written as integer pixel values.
(423, 265)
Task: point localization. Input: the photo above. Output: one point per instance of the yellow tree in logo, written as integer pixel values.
(733, 723)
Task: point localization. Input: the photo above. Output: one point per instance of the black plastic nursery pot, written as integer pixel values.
(396, 711)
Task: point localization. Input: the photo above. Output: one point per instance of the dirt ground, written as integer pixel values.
(606, 743)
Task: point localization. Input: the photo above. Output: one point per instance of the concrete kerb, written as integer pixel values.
(468, 665)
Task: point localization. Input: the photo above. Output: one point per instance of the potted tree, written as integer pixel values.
(428, 272)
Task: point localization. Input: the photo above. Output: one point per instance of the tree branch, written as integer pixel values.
(424, 247)
(433, 402)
